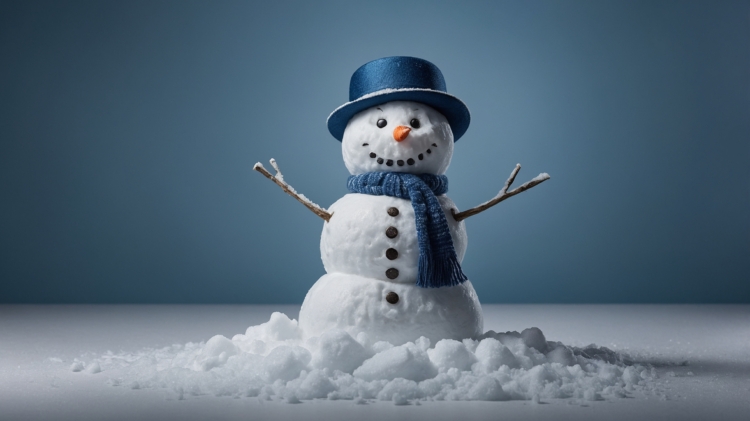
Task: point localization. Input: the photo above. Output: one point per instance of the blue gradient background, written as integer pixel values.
(129, 130)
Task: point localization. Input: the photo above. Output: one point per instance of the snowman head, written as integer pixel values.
(398, 136)
(399, 118)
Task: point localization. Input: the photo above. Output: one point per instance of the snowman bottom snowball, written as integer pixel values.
(392, 249)
(371, 310)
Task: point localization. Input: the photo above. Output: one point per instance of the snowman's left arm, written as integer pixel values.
(502, 195)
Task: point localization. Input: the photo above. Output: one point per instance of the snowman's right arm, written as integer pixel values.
(279, 180)
(503, 194)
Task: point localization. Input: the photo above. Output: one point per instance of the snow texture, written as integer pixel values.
(354, 240)
(276, 360)
(358, 306)
(351, 296)
(280, 179)
(541, 177)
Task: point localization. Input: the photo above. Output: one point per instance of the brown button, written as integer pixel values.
(391, 297)
(391, 254)
(393, 211)
(391, 232)
(391, 273)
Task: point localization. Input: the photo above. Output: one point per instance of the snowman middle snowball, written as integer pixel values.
(369, 247)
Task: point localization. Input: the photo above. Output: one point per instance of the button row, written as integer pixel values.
(392, 254)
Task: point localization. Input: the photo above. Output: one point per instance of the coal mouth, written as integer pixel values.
(399, 162)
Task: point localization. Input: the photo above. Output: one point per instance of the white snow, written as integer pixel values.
(279, 176)
(358, 306)
(276, 360)
(354, 240)
(352, 295)
(371, 252)
(93, 368)
(704, 346)
(541, 177)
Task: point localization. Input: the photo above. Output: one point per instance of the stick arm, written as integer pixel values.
(503, 194)
(279, 180)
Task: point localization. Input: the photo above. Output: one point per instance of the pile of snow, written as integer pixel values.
(275, 361)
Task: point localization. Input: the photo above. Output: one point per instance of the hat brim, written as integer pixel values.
(454, 110)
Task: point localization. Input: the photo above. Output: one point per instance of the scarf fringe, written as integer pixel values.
(443, 272)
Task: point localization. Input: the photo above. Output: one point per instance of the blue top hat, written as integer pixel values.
(399, 79)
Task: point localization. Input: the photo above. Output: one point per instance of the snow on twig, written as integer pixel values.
(503, 194)
(279, 180)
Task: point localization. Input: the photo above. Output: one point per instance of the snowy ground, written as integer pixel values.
(700, 355)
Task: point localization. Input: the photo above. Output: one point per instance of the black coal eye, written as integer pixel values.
(414, 123)
(382, 123)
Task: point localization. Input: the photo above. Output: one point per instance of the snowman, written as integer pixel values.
(392, 248)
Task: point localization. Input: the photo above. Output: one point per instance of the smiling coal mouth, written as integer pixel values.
(399, 162)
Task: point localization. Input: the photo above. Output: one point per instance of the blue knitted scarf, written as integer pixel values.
(438, 264)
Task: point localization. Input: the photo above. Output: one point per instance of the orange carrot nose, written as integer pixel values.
(400, 133)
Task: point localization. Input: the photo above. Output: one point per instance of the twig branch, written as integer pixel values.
(279, 180)
(503, 194)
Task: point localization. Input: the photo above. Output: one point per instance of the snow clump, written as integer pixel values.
(277, 361)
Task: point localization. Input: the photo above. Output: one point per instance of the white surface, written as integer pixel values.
(713, 340)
